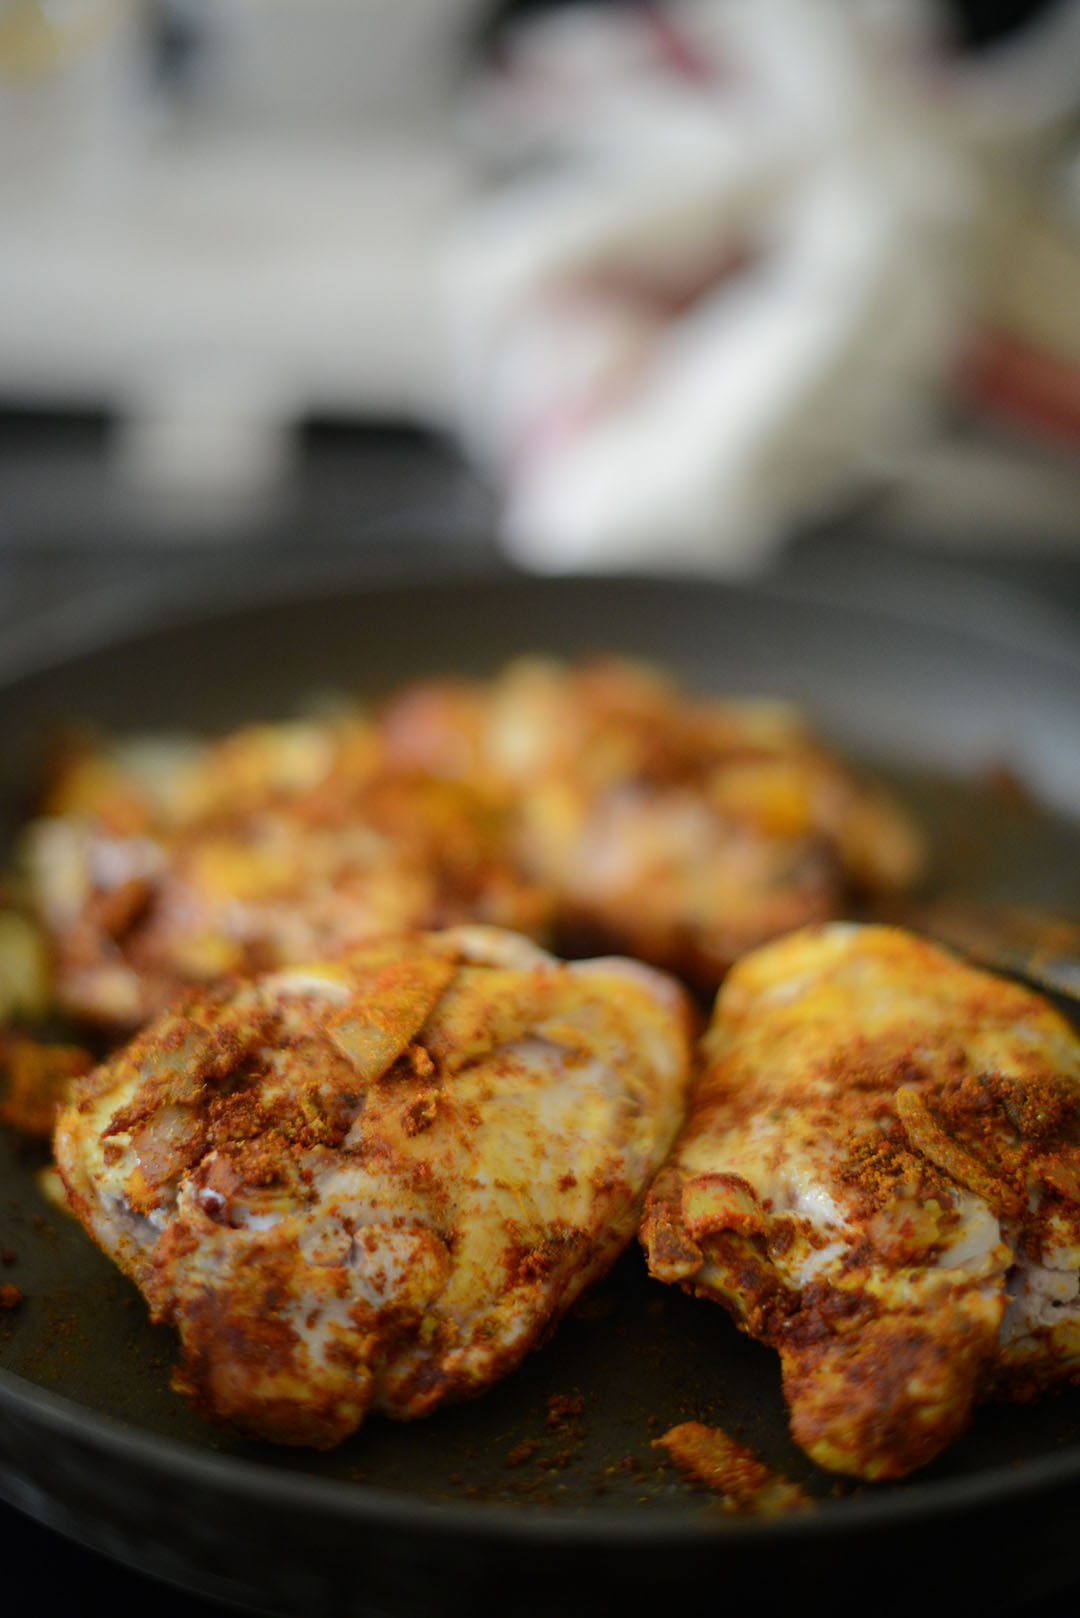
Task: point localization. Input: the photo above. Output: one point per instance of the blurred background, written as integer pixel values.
(723, 286)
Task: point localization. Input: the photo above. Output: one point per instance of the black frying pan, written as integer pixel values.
(505, 1503)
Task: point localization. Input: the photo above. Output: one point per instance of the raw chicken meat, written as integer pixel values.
(377, 1183)
(683, 831)
(157, 867)
(880, 1177)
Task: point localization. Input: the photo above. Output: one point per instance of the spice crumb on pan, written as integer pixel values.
(39, 1078)
(561, 1407)
(714, 1460)
(10, 1297)
(522, 1452)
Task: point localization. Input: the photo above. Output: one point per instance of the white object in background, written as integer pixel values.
(70, 91)
(205, 447)
(313, 65)
(635, 414)
(262, 250)
(303, 271)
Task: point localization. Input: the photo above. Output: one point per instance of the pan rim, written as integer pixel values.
(939, 598)
(120, 616)
(262, 1483)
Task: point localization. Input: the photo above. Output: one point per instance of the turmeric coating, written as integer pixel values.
(880, 1177)
(376, 1183)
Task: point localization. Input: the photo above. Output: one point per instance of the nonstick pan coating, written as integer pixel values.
(546, 1495)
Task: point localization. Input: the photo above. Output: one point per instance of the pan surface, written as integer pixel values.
(546, 1494)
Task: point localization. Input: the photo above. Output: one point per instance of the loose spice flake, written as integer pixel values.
(561, 1407)
(40, 1077)
(522, 1452)
(714, 1460)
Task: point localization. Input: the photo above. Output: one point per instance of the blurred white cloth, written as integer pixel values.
(721, 282)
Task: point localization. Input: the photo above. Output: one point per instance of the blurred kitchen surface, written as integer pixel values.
(702, 285)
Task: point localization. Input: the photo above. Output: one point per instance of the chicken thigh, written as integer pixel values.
(153, 868)
(600, 800)
(680, 830)
(377, 1183)
(880, 1177)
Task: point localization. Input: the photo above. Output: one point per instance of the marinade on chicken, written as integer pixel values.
(156, 867)
(600, 798)
(376, 1183)
(684, 831)
(879, 1176)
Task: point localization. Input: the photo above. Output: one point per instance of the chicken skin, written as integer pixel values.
(156, 869)
(376, 1183)
(879, 1176)
(679, 830)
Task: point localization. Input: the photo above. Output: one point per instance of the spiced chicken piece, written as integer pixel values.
(683, 831)
(880, 1177)
(154, 868)
(377, 1183)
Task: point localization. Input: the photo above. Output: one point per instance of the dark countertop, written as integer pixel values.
(379, 504)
